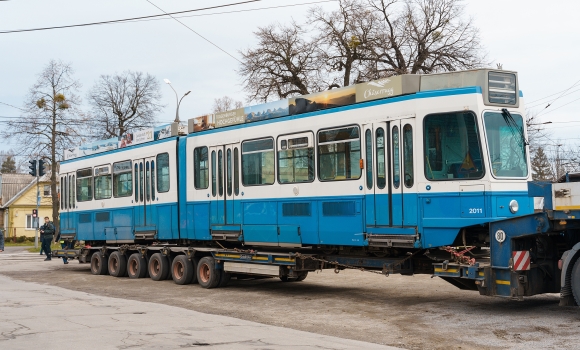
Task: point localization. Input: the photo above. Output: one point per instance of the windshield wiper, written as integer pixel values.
(511, 123)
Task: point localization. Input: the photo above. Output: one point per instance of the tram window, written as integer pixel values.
(296, 159)
(61, 196)
(408, 155)
(452, 147)
(103, 183)
(72, 188)
(220, 173)
(236, 172)
(70, 193)
(122, 179)
(339, 154)
(396, 158)
(213, 175)
(152, 180)
(369, 158)
(84, 185)
(136, 183)
(147, 181)
(380, 146)
(506, 144)
(200, 168)
(141, 181)
(258, 162)
(229, 172)
(163, 172)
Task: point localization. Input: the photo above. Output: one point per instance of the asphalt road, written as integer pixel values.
(409, 312)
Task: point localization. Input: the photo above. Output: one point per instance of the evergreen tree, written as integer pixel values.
(541, 168)
(8, 166)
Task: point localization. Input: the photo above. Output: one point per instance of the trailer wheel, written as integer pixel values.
(225, 278)
(182, 270)
(98, 266)
(117, 264)
(575, 281)
(158, 267)
(137, 266)
(207, 275)
(302, 276)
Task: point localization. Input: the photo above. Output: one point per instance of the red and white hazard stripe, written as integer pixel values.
(522, 260)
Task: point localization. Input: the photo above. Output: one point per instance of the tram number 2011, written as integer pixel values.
(475, 211)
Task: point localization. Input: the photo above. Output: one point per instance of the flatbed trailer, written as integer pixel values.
(527, 255)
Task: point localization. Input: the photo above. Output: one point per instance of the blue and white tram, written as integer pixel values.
(425, 169)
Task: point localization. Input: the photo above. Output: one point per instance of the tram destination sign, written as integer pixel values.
(228, 118)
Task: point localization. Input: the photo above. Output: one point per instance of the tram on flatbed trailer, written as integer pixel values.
(382, 175)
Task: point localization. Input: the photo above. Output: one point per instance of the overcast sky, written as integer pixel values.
(540, 40)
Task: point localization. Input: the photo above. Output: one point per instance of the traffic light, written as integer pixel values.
(32, 167)
(34, 213)
(40, 167)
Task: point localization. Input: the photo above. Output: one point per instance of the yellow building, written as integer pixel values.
(18, 220)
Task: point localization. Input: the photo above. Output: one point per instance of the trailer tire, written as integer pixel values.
(207, 275)
(117, 264)
(302, 276)
(98, 266)
(158, 267)
(225, 278)
(575, 281)
(136, 266)
(182, 270)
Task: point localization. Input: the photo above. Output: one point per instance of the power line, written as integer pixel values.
(196, 33)
(550, 111)
(554, 100)
(127, 19)
(533, 105)
(9, 105)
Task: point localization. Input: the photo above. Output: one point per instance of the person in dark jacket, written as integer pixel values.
(1, 240)
(46, 236)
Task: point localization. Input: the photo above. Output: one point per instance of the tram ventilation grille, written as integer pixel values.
(103, 216)
(296, 209)
(84, 218)
(346, 208)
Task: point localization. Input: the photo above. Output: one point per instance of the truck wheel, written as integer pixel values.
(158, 267)
(98, 266)
(117, 264)
(302, 276)
(207, 275)
(575, 281)
(182, 270)
(137, 266)
(224, 279)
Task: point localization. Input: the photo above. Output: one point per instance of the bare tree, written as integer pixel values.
(343, 37)
(283, 64)
(423, 36)
(50, 121)
(361, 41)
(225, 104)
(123, 102)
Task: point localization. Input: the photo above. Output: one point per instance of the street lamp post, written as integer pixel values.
(176, 99)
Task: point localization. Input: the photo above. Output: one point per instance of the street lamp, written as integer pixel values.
(176, 99)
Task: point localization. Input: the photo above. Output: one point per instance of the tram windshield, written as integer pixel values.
(507, 146)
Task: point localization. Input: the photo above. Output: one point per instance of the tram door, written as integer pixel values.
(145, 194)
(225, 165)
(404, 211)
(377, 174)
(67, 201)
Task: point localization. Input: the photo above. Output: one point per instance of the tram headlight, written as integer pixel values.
(514, 206)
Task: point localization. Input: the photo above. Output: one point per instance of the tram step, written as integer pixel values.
(402, 241)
